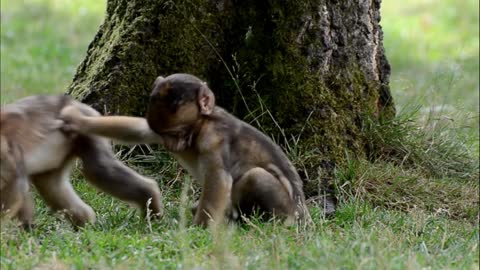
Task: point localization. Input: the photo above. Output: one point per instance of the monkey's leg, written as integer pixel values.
(56, 189)
(26, 211)
(16, 201)
(11, 200)
(258, 188)
(110, 175)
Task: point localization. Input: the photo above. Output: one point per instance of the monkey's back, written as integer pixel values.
(254, 149)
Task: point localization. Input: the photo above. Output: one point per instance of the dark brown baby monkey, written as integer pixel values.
(35, 150)
(240, 168)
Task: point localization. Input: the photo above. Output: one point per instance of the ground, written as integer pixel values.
(423, 214)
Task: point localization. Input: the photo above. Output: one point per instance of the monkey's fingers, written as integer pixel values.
(70, 114)
(70, 131)
(70, 117)
(57, 124)
(67, 127)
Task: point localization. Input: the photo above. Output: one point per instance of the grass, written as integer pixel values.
(433, 49)
(432, 146)
(412, 205)
(360, 236)
(434, 52)
(43, 42)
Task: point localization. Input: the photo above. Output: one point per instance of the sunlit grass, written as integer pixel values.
(433, 47)
(42, 43)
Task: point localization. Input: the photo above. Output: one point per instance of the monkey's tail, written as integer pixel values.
(281, 177)
(301, 212)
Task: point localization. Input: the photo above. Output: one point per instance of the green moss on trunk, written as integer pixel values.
(137, 42)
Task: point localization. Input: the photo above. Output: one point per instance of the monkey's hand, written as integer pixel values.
(73, 120)
(124, 129)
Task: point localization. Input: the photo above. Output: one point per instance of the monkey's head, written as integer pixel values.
(177, 102)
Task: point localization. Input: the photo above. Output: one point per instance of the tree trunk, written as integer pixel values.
(314, 68)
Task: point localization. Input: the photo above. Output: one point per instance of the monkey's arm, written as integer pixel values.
(215, 197)
(122, 128)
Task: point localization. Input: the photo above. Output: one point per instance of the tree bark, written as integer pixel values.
(315, 68)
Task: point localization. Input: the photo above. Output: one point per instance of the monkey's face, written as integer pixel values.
(173, 106)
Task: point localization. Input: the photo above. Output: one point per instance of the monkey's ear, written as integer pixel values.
(206, 100)
(157, 81)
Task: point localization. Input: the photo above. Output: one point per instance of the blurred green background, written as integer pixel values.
(433, 47)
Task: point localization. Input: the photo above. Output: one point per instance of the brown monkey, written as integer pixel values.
(35, 150)
(239, 167)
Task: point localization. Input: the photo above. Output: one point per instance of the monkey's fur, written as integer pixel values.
(240, 168)
(35, 150)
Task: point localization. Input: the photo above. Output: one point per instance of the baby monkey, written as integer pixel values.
(35, 150)
(240, 169)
